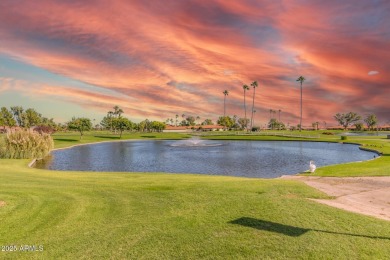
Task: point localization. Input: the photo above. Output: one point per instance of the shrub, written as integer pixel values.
(44, 129)
(25, 144)
(343, 137)
(328, 133)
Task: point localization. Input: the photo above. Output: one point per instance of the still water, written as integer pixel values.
(261, 159)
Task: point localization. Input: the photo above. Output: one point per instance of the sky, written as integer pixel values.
(156, 59)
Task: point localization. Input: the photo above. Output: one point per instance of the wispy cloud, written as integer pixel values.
(170, 57)
(373, 72)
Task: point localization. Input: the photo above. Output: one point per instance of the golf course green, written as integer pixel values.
(89, 215)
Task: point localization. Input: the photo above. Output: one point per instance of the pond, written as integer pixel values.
(259, 159)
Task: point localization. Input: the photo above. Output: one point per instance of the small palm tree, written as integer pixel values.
(254, 85)
(301, 79)
(245, 87)
(224, 102)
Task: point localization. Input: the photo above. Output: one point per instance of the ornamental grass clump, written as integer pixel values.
(25, 144)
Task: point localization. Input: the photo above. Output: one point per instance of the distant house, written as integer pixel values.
(210, 128)
(177, 129)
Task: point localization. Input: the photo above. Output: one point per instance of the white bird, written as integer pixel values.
(312, 166)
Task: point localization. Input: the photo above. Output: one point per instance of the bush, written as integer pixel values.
(328, 133)
(44, 129)
(343, 137)
(25, 145)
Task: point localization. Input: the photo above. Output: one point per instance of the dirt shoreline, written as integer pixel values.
(365, 195)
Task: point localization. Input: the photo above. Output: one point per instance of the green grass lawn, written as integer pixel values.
(90, 215)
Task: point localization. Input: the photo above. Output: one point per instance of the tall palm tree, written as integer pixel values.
(301, 79)
(109, 115)
(279, 114)
(245, 87)
(224, 102)
(254, 85)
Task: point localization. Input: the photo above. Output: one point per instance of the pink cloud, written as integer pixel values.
(172, 57)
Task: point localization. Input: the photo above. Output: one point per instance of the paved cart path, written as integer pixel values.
(364, 195)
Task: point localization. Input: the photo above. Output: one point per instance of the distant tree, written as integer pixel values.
(190, 120)
(48, 122)
(371, 121)
(225, 93)
(225, 121)
(347, 119)
(32, 118)
(158, 126)
(207, 122)
(245, 88)
(254, 84)
(81, 124)
(275, 124)
(144, 126)
(197, 118)
(109, 118)
(7, 118)
(359, 126)
(315, 125)
(18, 114)
(122, 124)
(243, 122)
(117, 111)
(184, 123)
(301, 79)
(106, 122)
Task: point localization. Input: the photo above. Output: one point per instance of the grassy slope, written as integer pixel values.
(85, 215)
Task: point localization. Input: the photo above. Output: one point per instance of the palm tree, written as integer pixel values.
(117, 111)
(254, 85)
(301, 79)
(109, 115)
(224, 102)
(245, 87)
(279, 114)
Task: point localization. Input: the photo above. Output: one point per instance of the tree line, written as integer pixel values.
(17, 116)
(352, 118)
